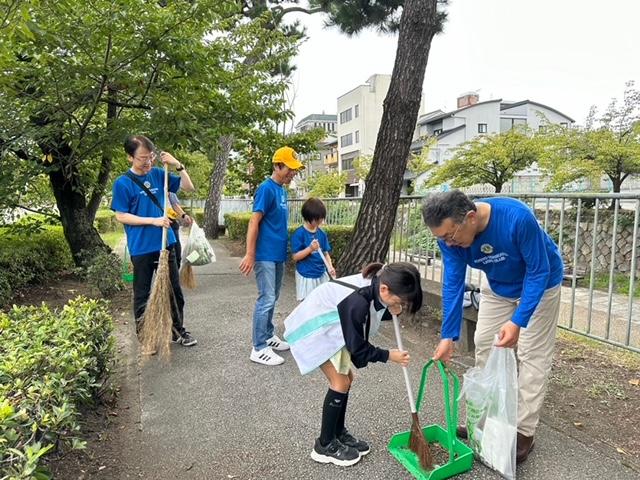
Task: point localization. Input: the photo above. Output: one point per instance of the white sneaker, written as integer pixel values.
(266, 357)
(277, 344)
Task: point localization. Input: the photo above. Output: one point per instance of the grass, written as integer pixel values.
(112, 238)
(579, 347)
(621, 283)
(606, 390)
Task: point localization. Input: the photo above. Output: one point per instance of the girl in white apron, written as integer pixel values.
(330, 330)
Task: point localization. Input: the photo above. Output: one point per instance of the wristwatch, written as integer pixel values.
(180, 168)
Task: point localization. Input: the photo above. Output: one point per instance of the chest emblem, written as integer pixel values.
(147, 184)
(486, 249)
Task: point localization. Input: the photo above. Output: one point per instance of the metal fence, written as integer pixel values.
(597, 235)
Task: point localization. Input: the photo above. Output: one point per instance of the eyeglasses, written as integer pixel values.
(149, 159)
(451, 238)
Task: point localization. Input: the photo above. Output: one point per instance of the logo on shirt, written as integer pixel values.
(147, 184)
(486, 249)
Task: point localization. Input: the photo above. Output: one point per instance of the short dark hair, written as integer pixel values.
(453, 204)
(314, 209)
(402, 278)
(133, 142)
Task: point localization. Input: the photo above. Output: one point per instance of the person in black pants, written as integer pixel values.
(138, 199)
(178, 219)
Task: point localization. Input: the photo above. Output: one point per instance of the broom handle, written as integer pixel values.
(166, 204)
(324, 259)
(405, 371)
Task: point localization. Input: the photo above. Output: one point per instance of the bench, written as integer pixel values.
(432, 297)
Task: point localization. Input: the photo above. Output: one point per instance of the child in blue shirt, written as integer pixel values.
(306, 243)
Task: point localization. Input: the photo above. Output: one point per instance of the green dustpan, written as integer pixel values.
(460, 455)
(127, 268)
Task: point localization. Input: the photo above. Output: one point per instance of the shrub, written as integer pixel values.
(105, 221)
(103, 271)
(51, 363)
(30, 259)
(237, 225)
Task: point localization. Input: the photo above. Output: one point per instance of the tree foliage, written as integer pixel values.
(609, 144)
(326, 184)
(488, 159)
(79, 76)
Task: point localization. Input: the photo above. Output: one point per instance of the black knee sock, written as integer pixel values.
(340, 426)
(331, 410)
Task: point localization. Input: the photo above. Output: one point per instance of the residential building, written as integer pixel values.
(359, 117)
(473, 118)
(317, 120)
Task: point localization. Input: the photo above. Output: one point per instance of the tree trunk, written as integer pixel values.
(498, 187)
(218, 174)
(370, 241)
(77, 222)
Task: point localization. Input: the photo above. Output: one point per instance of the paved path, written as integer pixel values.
(212, 414)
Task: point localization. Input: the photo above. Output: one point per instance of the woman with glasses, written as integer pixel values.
(330, 330)
(138, 200)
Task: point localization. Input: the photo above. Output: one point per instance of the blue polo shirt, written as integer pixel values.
(271, 200)
(519, 258)
(311, 266)
(128, 197)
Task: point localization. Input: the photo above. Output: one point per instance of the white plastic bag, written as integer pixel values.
(491, 398)
(197, 251)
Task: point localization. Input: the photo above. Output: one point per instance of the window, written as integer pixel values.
(437, 131)
(345, 116)
(346, 140)
(356, 111)
(542, 128)
(509, 123)
(482, 128)
(357, 136)
(347, 163)
(564, 124)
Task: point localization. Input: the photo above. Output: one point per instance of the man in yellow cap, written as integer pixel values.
(267, 238)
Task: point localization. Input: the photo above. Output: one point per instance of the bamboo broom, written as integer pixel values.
(157, 322)
(417, 443)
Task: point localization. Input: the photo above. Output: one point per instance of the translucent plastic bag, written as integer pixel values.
(197, 250)
(491, 398)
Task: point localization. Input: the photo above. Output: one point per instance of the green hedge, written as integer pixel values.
(339, 235)
(51, 363)
(106, 221)
(237, 225)
(31, 259)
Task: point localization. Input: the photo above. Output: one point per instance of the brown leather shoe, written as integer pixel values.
(524, 445)
(461, 432)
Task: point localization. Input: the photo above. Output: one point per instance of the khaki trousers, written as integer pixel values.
(534, 350)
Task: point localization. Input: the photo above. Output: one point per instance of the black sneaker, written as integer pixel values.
(186, 340)
(350, 441)
(335, 452)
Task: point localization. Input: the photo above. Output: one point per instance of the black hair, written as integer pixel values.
(454, 204)
(313, 209)
(402, 279)
(133, 142)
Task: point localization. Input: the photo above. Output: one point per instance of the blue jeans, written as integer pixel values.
(269, 280)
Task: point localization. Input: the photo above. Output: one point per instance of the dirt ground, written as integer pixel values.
(593, 395)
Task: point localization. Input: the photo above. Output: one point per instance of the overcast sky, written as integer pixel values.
(567, 54)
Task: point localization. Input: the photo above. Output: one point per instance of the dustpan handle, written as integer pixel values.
(324, 259)
(450, 406)
(405, 371)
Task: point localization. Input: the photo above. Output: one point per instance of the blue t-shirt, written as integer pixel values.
(271, 200)
(312, 266)
(519, 258)
(128, 197)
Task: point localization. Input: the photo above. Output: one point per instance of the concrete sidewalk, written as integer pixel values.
(213, 414)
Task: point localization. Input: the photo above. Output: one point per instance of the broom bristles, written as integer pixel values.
(419, 445)
(156, 325)
(187, 278)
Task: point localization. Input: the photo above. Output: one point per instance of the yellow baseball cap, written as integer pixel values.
(289, 157)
